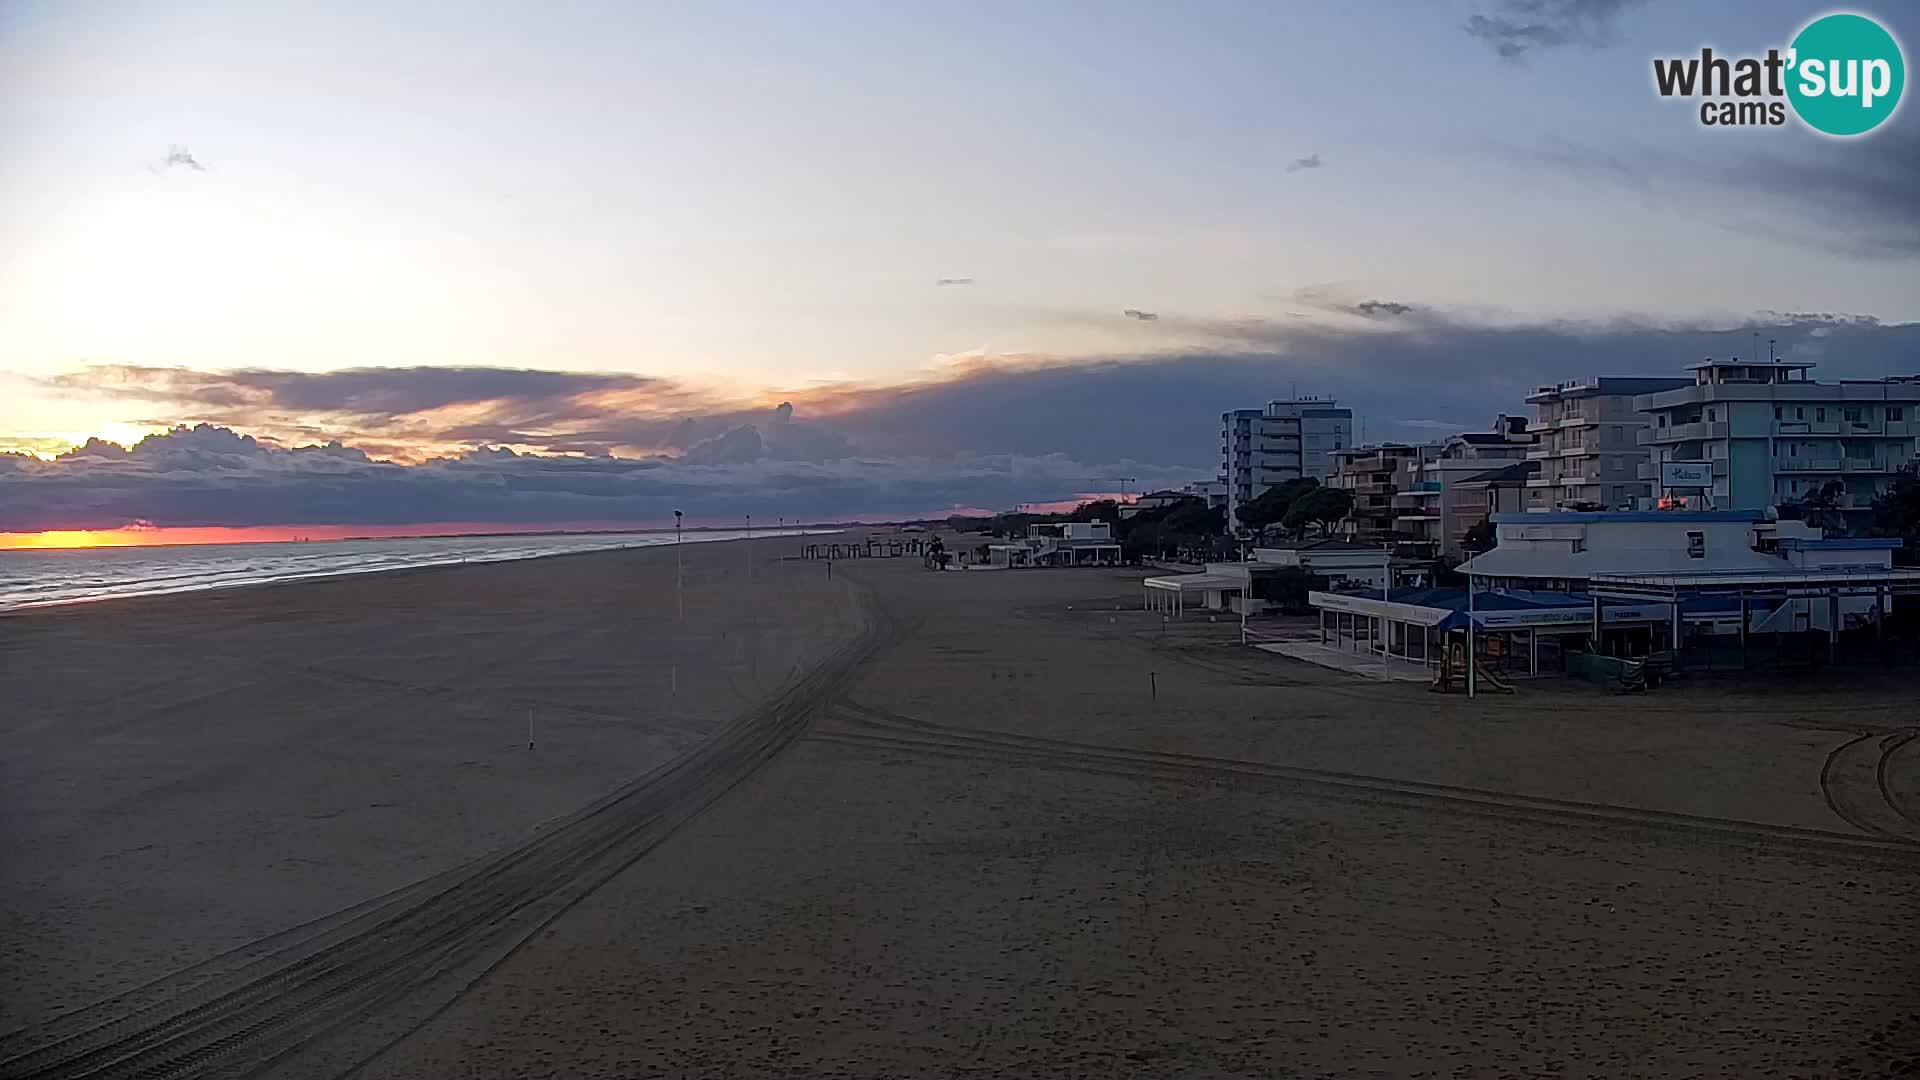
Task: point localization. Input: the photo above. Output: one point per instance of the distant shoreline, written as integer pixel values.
(803, 529)
(272, 576)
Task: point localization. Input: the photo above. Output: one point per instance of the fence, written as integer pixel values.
(871, 549)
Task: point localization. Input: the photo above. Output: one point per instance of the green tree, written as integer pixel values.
(1287, 589)
(1106, 510)
(1820, 508)
(1271, 507)
(1479, 538)
(1195, 518)
(1323, 507)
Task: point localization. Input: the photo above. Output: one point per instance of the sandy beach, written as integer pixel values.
(896, 823)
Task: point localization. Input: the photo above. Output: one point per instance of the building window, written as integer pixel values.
(1896, 413)
(1799, 414)
(1793, 449)
(1777, 411)
(1712, 414)
(1696, 545)
(1819, 414)
(1661, 420)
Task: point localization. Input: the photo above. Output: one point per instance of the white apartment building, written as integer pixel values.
(1287, 440)
(1589, 451)
(1768, 434)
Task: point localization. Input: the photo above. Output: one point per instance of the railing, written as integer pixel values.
(1806, 464)
(1703, 429)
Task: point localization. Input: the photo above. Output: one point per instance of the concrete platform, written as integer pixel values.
(1366, 665)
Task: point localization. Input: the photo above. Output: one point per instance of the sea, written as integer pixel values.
(36, 578)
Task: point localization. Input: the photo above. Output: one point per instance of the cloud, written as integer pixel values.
(1377, 309)
(1142, 316)
(177, 156)
(1518, 27)
(953, 281)
(166, 480)
(1866, 206)
(418, 411)
(1311, 161)
(980, 430)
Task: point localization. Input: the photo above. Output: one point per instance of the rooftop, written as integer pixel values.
(1591, 386)
(1677, 517)
(1519, 470)
(1734, 361)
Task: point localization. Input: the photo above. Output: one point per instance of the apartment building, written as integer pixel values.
(1763, 434)
(1286, 440)
(1443, 500)
(1376, 474)
(1588, 444)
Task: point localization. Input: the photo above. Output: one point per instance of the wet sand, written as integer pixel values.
(984, 842)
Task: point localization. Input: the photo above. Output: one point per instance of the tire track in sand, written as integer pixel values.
(881, 729)
(392, 962)
(1859, 780)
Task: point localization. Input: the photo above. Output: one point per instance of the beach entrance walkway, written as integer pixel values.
(1365, 665)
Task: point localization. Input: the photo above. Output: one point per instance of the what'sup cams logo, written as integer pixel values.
(1842, 76)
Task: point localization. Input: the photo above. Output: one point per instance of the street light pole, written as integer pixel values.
(749, 547)
(679, 570)
(1470, 663)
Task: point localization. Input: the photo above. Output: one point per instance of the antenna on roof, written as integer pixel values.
(1772, 357)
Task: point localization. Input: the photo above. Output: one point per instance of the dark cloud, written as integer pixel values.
(1859, 199)
(737, 447)
(1380, 309)
(377, 392)
(953, 281)
(1517, 27)
(1142, 316)
(166, 480)
(986, 433)
(1311, 161)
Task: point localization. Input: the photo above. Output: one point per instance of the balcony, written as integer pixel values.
(1806, 464)
(1703, 429)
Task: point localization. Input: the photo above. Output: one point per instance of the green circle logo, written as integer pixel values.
(1845, 74)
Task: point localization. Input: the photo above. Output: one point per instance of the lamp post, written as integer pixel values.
(749, 547)
(679, 570)
(1470, 663)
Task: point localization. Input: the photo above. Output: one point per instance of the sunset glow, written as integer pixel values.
(151, 536)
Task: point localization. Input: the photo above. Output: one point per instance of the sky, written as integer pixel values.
(582, 263)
